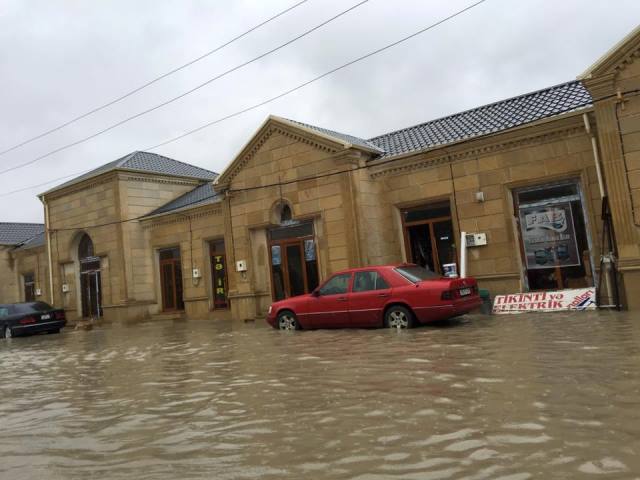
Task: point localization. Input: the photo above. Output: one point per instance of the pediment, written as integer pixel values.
(277, 126)
(617, 58)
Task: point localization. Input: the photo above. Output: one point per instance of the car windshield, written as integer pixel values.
(416, 274)
(32, 307)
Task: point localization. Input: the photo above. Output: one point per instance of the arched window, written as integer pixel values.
(85, 248)
(285, 214)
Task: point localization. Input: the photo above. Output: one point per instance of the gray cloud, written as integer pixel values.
(61, 58)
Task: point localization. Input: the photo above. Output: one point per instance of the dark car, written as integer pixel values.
(395, 296)
(30, 318)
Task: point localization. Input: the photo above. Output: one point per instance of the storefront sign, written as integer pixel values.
(219, 281)
(548, 236)
(575, 299)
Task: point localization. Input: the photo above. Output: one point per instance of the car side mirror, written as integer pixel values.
(315, 293)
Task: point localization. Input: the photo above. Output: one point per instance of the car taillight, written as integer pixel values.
(59, 315)
(27, 320)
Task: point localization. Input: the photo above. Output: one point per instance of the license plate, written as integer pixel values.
(46, 316)
(465, 291)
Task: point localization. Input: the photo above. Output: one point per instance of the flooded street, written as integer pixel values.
(510, 397)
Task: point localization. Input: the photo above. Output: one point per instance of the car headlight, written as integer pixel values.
(270, 309)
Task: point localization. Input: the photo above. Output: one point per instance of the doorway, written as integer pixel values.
(429, 237)
(29, 285)
(554, 240)
(171, 279)
(294, 264)
(90, 279)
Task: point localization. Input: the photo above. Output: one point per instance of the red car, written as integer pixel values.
(396, 296)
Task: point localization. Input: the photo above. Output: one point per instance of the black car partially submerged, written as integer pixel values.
(30, 318)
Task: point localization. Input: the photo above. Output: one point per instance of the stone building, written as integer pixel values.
(147, 236)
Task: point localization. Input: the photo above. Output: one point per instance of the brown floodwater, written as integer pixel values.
(510, 398)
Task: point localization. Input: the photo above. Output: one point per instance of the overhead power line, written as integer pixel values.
(184, 94)
(278, 184)
(315, 79)
(150, 82)
(287, 92)
(48, 182)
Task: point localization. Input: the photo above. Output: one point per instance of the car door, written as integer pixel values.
(328, 305)
(368, 296)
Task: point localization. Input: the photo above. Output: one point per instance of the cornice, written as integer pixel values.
(164, 181)
(444, 156)
(79, 187)
(173, 218)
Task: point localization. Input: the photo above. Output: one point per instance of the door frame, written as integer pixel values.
(428, 223)
(172, 262)
(577, 181)
(283, 244)
(96, 276)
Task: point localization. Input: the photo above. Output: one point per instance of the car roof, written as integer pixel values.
(389, 266)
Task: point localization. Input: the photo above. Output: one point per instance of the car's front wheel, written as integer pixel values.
(398, 316)
(287, 320)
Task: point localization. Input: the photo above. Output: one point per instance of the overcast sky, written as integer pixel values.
(59, 59)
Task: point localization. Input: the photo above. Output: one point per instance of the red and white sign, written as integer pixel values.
(575, 299)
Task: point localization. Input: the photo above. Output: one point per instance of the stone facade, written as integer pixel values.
(354, 202)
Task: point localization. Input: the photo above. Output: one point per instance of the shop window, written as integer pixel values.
(553, 236)
(219, 280)
(429, 236)
(171, 279)
(29, 287)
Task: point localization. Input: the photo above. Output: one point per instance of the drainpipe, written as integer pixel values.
(596, 155)
(463, 254)
(48, 230)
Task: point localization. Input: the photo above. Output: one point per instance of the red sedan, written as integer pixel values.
(396, 296)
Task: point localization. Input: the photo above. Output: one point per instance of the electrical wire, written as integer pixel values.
(183, 94)
(297, 88)
(150, 82)
(48, 182)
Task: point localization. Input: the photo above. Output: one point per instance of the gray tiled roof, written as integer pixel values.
(201, 195)
(33, 242)
(148, 163)
(486, 120)
(341, 136)
(17, 233)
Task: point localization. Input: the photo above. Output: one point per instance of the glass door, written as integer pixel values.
(171, 279)
(294, 266)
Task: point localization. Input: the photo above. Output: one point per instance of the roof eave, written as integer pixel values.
(126, 170)
(326, 136)
(204, 203)
(542, 121)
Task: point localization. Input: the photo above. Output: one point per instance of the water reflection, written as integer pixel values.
(502, 397)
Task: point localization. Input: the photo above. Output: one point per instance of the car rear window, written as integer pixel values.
(31, 307)
(416, 274)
